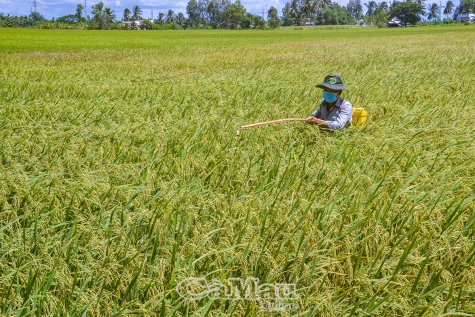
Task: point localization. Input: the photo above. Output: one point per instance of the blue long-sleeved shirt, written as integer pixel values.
(339, 115)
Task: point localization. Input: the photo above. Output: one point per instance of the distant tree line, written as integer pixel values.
(24, 21)
(224, 14)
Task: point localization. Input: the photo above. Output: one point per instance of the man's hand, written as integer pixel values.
(313, 120)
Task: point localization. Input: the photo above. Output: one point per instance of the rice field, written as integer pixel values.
(121, 175)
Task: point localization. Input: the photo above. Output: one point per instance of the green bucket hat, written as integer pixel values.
(332, 82)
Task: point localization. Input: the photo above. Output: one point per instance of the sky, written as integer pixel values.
(55, 8)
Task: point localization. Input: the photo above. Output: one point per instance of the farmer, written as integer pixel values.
(334, 112)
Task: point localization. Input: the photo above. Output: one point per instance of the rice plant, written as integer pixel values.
(122, 176)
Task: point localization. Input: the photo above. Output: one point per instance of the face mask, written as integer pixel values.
(329, 96)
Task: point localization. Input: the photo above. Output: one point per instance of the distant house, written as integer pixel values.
(469, 17)
(394, 23)
(136, 22)
(361, 23)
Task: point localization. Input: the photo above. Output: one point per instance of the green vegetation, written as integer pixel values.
(225, 14)
(121, 174)
(408, 12)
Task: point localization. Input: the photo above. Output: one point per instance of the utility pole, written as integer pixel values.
(85, 8)
(34, 5)
(440, 12)
(152, 15)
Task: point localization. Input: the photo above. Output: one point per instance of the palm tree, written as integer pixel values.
(35, 16)
(287, 8)
(449, 8)
(180, 18)
(391, 4)
(433, 11)
(79, 9)
(272, 13)
(161, 17)
(294, 10)
(126, 15)
(109, 15)
(350, 7)
(372, 6)
(325, 3)
(358, 9)
(97, 10)
(137, 13)
(287, 16)
(466, 6)
(98, 18)
(170, 16)
(308, 8)
(383, 6)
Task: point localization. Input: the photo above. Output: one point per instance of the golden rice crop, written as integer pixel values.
(121, 174)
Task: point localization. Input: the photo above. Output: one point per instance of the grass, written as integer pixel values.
(121, 174)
